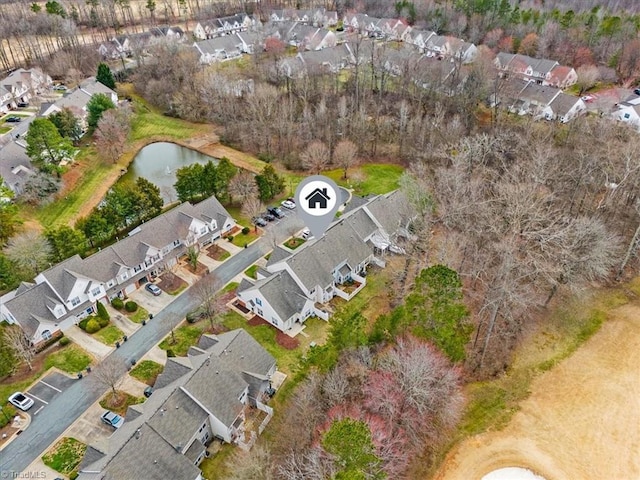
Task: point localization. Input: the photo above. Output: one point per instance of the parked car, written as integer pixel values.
(268, 217)
(13, 119)
(153, 288)
(306, 234)
(276, 212)
(60, 88)
(259, 221)
(23, 104)
(148, 391)
(21, 401)
(112, 419)
(289, 204)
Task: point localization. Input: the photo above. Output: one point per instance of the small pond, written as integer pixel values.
(158, 163)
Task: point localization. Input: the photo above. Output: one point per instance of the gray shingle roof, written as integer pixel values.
(148, 456)
(178, 419)
(30, 307)
(278, 255)
(173, 369)
(244, 352)
(228, 43)
(541, 95)
(391, 211)
(218, 387)
(563, 103)
(283, 294)
(91, 455)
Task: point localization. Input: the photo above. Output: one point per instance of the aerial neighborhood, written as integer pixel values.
(344, 240)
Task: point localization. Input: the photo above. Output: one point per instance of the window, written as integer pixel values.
(46, 334)
(75, 301)
(137, 268)
(626, 115)
(274, 321)
(258, 302)
(203, 230)
(95, 292)
(110, 283)
(124, 276)
(260, 312)
(176, 243)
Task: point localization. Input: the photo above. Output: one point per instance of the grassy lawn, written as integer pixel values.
(229, 287)
(120, 402)
(215, 467)
(240, 240)
(4, 130)
(70, 359)
(65, 455)
(185, 337)
(109, 335)
(251, 272)
(94, 173)
(147, 371)
(139, 315)
(377, 178)
(294, 243)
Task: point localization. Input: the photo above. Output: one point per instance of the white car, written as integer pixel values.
(306, 234)
(289, 204)
(21, 401)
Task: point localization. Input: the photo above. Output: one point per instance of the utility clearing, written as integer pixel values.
(581, 421)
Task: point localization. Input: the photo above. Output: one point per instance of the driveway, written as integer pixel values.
(153, 304)
(95, 347)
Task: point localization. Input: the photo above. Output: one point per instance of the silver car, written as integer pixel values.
(21, 401)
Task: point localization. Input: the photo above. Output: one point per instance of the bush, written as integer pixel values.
(246, 230)
(73, 475)
(102, 312)
(117, 303)
(64, 341)
(170, 353)
(230, 238)
(92, 326)
(131, 306)
(83, 323)
(103, 322)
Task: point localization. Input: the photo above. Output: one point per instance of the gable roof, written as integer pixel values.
(148, 455)
(282, 292)
(541, 95)
(175, 368)
(277, 255)
(563, 103)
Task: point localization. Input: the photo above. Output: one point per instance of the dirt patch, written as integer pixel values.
(580, 421)
(285, 341)
(256, 320)
(200, 269)
(217, 253)
(171, 283)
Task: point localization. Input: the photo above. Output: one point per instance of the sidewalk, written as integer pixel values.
(96, 348)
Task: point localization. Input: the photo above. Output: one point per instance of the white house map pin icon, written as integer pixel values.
(317, 201)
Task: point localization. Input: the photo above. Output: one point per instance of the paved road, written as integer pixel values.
(67, 406)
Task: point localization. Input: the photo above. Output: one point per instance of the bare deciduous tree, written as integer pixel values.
(30, 251)
(243, 186)
(254, 465)
(206, 290)
(252, 208)
(20, 344)
(110, 374)
(345, 155)
(111, 134)
(588, 76)
(316, 157)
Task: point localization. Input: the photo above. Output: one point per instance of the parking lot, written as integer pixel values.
(46, 390)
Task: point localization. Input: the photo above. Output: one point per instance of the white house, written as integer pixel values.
(629, 111)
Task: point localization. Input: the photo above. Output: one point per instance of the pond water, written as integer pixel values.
(158, 163)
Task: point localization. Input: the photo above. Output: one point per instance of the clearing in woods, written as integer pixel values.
(581, 421)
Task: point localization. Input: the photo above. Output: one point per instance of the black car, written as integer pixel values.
(268, 217)
(276, 212)
(13, 119)
(259, 221)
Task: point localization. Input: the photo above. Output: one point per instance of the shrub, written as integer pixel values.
(102, 312)
(230, 238)
(170, 353)
(83, 323)
(246, 230)
(73, 475)
(131, 306)
(64, 341)
(117, 303)
(103, 322)
(92, 326)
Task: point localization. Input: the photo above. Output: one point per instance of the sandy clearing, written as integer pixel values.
(582, 420)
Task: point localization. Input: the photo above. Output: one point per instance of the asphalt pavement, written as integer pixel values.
(68, 404)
